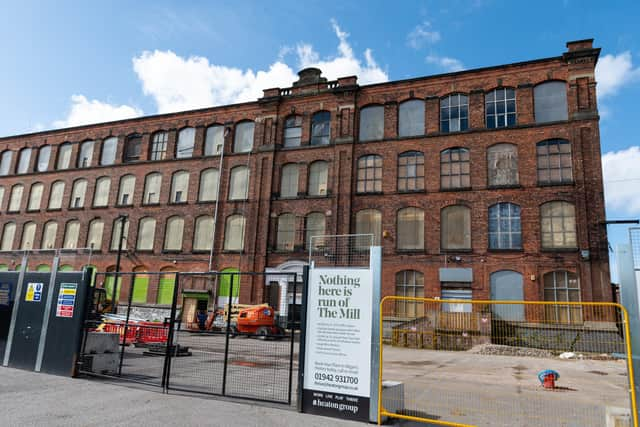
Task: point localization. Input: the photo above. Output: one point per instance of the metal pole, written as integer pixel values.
(126, 323)
(293, 335)
(226, 342)
(170, 347)
(122, 219)
(303, 330)
(215, 211)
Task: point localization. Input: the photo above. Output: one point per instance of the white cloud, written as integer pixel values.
(177, 83)
(445, 62)
(422, 34)
(84, 111)
(622, 181)
(613, 72)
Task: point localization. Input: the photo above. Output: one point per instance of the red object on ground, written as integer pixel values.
(152, 333)
(118, 328)
(549, 381)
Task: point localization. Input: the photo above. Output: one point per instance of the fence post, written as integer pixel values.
(14, 312)
(303, 330)
(226, 342)
(293, 335)
(126, 322)
(166, 372)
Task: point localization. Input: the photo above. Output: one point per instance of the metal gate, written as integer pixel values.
(179, 331)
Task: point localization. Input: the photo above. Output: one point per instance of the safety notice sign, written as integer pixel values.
(5, 294)
(34, 292)
(66, 299)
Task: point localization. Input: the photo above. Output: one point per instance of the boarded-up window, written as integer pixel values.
(44, 154)
(321, 128)
(180, 187)
(411, 229)
(550, 102)
(239, 183)
(369, 221)
(411, 171)
(119, 225)
(159, 145)
(554, 162)
(28, 236)
(109, 149)
(78, 193)
(202, 239)
(369, 174)
(8, 234)
(286, 235)
(454, 113)
(15, 200)
(64, 156)
(411, 118)
(146, 234)
(289, 181)
(132, 148)
(455, 170)
(562, 286)
(127, 186)
(1, 197)
(5, 162)
(35, 196)
(186, 143)
(71, 235)
(243, 139)
(152, 186)
(57, 192)
(234, 233)
(94, 238)
(49, 235)
(214, 141)
(502, 162)
(208, 191)
(23, 160)
(372, 123)
(409, 283)
(173, 234)
(315, 224)
(86, 154)
(318, 177)
(292, 131)
(101, 194)
(558, 225)
(455, 228)
(505, 230)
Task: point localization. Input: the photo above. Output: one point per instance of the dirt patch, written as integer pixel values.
(505, 350)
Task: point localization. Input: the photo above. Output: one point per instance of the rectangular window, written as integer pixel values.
(369, 174)
(411, 171)
(455, 169)
(456, 294)
(101, 195)
(159, 145)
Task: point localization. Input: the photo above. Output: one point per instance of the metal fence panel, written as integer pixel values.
(483, 363)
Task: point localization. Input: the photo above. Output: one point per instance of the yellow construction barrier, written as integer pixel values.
(505, 363)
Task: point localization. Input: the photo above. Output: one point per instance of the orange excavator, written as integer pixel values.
(258, 321)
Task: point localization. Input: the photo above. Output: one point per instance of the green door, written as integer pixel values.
(140, 288)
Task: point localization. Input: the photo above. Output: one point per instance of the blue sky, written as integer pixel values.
(69, 63)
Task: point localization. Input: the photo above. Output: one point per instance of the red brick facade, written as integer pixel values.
(344, 99)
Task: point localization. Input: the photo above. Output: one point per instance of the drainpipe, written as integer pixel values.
(215, 212)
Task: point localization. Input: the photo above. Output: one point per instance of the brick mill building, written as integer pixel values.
(483, 183)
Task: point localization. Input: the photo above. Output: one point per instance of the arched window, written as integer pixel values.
(411, 171)
(502, 163)
(101, 194)
(214, 140)
(180, 187)
(120, 226)
(239, 183)
(44, 154)
(127, 186)
(369, 174)
(558, 225)
(372, 123)
(550, 102)
(411, 118)
(321, 128)
(243, 138)
(24, 159)
(146, 234)
(5, 162)
(455, 170)
(78, 193)
(71, 232)
(409, 283)
(500, 108)
(454, 113)
(159, 145)
(152, 188)
(554, 162)
(173, 234)
(28, 235)
(286, 236)
(234, 233)
(49, 235)
(208, 191)
(186, 143)
(507, 285)
(35, 196)
(505, 231)
(64, 156)
(410, 229)
(86, 154)
(318, 178)
(15, 200)
(455, 228)
(202, 239)
(289, 181)
(56, 195)
(132, 148)
(8, 235)
(1, 197)
(314, 224)
(109, 149)
(369, 221)
(94, 238)
(292, 131)
(562, 286)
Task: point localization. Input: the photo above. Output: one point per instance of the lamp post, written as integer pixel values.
(122, 218)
